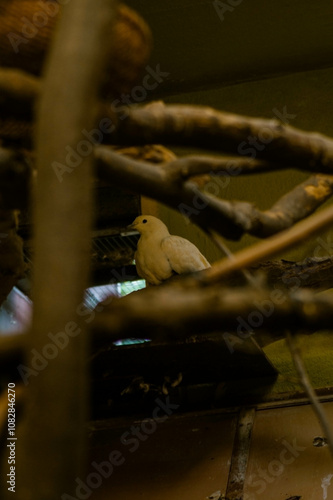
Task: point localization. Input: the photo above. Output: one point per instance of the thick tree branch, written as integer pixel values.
(285, 276)
(315, 273)
(207, 128)
(149, 180)
(296, 205)
(156, 181)
(271, 246)
(230, 218)
(173, 314)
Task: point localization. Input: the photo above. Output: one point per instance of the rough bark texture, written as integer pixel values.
(230, 218)
(207, 128)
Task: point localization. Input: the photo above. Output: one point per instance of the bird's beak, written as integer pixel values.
(129, 229)
(132, 227)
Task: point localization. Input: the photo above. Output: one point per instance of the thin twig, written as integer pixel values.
(306, 383)
(231, 219)
(224, 248)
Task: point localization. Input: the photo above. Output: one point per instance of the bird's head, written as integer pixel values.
(148, 224)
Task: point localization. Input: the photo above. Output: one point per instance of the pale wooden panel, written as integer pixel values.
(186, 458)
(283, 462)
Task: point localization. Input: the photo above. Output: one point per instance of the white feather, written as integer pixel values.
(159, 255)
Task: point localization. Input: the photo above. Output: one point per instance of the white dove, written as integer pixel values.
(160, 255)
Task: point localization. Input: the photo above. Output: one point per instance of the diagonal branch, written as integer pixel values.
(271, 246)
(232, 219)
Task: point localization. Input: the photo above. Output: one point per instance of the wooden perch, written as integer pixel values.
(196, 305)
(169, 313)
(271, 246)
(284, 276)
(314, 273)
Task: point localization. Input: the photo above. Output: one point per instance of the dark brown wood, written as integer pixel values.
(295, 205)
(315, 273)
(57, 393)
(174, 313)
(271, 246)
(12, 265)
(16, 173)
(19, 91)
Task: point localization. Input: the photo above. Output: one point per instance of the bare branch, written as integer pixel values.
(296, 205)
(149, 180)
(207, 128)
(271, 246)
(230, 218)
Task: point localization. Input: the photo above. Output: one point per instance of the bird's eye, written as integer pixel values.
(144, 221)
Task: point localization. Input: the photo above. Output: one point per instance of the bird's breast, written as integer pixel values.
(152, 264)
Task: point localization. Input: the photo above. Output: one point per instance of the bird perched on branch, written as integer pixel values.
(161, 255)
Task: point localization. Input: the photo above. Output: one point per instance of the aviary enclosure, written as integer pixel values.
(77, 152)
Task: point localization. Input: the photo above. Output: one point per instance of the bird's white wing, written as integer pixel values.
(184, 257)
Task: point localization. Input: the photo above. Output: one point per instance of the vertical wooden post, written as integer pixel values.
(51, 441)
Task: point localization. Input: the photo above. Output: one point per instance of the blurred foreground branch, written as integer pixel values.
(167, 312)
